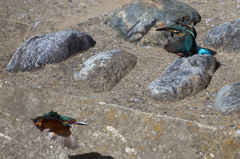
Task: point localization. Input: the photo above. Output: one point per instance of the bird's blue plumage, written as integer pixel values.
(200, 50)
(186, 44)
(55, 116)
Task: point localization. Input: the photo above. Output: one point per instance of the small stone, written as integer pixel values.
(102, 103)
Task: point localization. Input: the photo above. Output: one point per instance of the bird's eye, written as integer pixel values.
(71, 121)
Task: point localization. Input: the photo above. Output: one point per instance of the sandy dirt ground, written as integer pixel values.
(92, 17)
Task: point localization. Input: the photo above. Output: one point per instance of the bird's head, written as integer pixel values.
(187, 26)
(38, 124)
(176, 29)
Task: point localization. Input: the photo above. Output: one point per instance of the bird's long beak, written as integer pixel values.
(80, 123)
(161, 29)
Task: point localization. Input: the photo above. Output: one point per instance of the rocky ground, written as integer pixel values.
(23, 19)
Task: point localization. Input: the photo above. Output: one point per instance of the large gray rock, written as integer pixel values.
(140, 18)
(186, 76)
(104, 70)
(49, 48)
(225, 37)
(228, 98)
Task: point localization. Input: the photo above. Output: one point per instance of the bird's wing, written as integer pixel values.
(64, 137)
(181, 45)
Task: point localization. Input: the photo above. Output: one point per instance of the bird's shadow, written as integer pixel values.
(92, 155)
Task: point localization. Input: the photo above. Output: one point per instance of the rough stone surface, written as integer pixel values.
(137, 21)
(228, 99)
(49, 48)
(104, 70)
(225, 37)
(185, 77)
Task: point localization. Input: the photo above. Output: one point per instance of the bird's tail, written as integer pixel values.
(200, 50)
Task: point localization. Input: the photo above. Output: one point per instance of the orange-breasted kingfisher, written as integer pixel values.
(59, 128)
(185, 45)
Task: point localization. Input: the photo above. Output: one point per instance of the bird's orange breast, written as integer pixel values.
(51, 124)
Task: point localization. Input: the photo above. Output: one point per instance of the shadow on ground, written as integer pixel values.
(92, 155)
(212, 52)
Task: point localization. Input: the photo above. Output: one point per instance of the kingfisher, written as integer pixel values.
(186, 45)
(59, 128)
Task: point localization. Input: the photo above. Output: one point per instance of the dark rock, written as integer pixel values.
(228, 98)
(225, 37)
(104, 70)
(49, 48)
(186, 76)
(137, 21)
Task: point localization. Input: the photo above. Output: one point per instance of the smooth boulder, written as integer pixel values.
(104, 70)
(49, 48)
(186, 76)
(137, 21)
